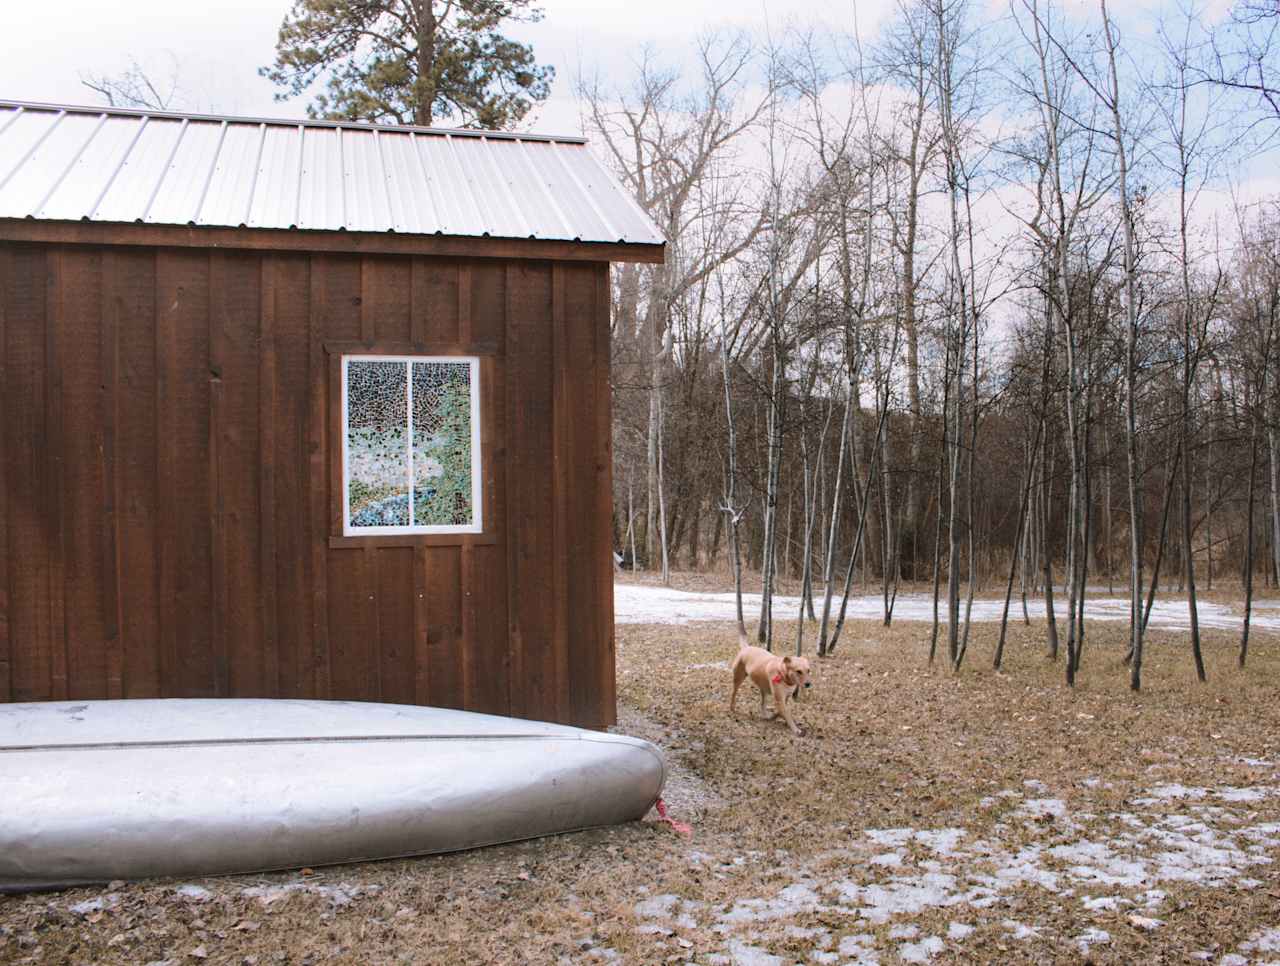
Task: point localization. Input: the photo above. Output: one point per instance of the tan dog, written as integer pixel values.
(783, 677)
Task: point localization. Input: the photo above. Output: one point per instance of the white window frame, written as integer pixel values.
(477, 505)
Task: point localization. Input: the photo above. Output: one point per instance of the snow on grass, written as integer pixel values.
(1019, 930)
(645, 604)
(920, 952)
(340, 894)
(1113, 868)
(1092, 937)
(1265, 941)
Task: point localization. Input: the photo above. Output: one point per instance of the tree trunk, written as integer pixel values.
(426, 86)
(1017, 541)
(1248, 552)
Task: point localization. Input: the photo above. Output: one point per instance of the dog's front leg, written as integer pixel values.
(782, 706)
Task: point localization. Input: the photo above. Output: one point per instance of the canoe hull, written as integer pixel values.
(138, 789)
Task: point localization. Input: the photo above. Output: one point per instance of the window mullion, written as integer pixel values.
(408, 373)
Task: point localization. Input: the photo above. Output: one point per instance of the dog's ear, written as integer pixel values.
(786, 661)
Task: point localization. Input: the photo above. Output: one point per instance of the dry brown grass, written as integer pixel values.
(891, 742)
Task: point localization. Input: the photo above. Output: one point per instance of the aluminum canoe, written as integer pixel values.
(99, 790)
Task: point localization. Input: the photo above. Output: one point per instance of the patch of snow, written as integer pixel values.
(194, 892)
(1092, 937)
(1172, 791)
(342, 894)
(96, 904)
(959, 930)
(793, 900)
(744, 954)
(1145, 923)
(1021, 930)
(817, 935)
(887, 859)
(1109, 903)
(890, 836)
(908, 931)
(1098, 862)
(818, 956)
(920, 952)
(1266, 941)
(943, 840)
(659, 907)
(860, 949)
(644, 604)
(1255, 794)
(902, 895)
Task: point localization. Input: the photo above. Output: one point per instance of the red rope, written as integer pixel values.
(679, 827)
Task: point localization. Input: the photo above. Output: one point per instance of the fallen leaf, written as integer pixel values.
(199, 953)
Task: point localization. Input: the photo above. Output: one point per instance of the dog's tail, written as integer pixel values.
(743, 640)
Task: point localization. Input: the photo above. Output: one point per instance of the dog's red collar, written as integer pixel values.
(778, 679)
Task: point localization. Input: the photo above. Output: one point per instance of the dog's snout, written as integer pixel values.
(808, 684)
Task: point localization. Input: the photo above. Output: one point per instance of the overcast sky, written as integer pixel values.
(219, 46)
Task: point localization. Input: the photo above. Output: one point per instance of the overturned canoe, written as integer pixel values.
(101, 790)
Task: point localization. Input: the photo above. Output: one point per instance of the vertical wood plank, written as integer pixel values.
(294, 486)
(421, 629)
(26, 469)
(318, 474)
(138, 469)
(444, 632)
(166, 365)
(218, 431)
(490, 301)
(396, 611)
(563, 455)
(185, 491)
(530, 588)
(419, 295)
(241, 584)
(606, 687)
(386, 298)
(267, 476)
(465, 300)
(6, 658)
(54, 495)
(370, 623)
(437, 297)
(353, 638)
(366, 289)
(109, 406)
(78, 349)
(471, 649)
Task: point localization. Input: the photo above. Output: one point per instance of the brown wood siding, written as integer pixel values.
(166, 453)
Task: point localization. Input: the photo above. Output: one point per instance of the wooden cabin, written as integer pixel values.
(306, 409)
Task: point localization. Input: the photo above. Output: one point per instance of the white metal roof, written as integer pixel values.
(63, 163)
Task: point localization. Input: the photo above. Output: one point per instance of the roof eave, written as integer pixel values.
(306, 240)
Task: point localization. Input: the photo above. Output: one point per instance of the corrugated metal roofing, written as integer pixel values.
(113, 165)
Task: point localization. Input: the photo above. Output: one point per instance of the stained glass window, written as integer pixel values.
(410, 444)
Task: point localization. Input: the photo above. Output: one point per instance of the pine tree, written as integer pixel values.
(410, 61)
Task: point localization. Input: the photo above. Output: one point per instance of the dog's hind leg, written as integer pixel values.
(739, 675)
